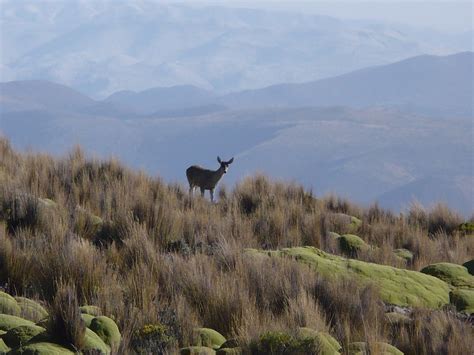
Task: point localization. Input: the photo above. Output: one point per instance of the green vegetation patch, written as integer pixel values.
(469, 265)
(208, 337)
(8, 322)
(396, 286)
(21, 335)
(453, 274)
(197, 350)
(8, 305)
(463, 299)
(42, 348)
(94, 344)
(467, 227)
(31, 310)
(87, 318)
(404, 254)
(361, 348)
(351, 244)
(107, 330)
(3, 347)
(324, 342)
(152, 337)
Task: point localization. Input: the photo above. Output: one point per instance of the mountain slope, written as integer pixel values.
(422, 83)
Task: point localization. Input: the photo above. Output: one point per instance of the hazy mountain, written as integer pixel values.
(158, 99)
(426, 83)
(101, 47)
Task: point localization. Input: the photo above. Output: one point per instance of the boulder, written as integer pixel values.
(31, 310)
(208, 337)
(19, 336)
(87, 318)
(107, 330)
(453, 274)
(8, 305)
(8, 322)
(463, 299)
(93, 343)
(325, 343)
(197, 350)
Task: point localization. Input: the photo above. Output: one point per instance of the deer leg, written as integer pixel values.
(212, 195)
(191, 189)
(202, 192)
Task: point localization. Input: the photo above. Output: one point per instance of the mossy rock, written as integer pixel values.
(325, 343)
(92, 310)
(396, 286)
(333, 235)
(397, 318)
(87, 318)
(86, 224)
(8, 322)
(275, 343)
(453, 274)
(31, 310)
(93, 343)
(360, 348)
(8, 305)
(107, 330)
(4, 349)
(351, 244)
(197, 350)
(467, 227)
(463, 299)
(469, 265)
(208, 337)
(404, 254)
(19, 336)
(229, 351)
(42, 348)
(2, 332)
(355, 222)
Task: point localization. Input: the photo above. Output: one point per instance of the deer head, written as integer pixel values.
(225, 164)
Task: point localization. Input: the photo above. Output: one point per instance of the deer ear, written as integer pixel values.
(219, 160)
(230, 161)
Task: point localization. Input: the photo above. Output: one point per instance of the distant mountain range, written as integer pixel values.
(390, 133)
(101, 47)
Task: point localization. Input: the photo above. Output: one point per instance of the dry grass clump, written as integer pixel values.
(163, 263)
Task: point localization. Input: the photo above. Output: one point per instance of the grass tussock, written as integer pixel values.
(77, 231)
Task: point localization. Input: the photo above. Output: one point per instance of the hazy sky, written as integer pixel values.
(443, 15)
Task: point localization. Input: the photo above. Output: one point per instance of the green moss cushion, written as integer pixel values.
(92, 310)
(352, 244)
(107, 330)
(87, 318)
(469, 265)
(8, 322)
(197, 350)
(463, 299)
(31, 310)
(325, 342)
(396, 286)
(404, 254)
(21, 335)
(43, 348)
(3, 347)
(208, 337)
(360, 348)
(8, 305)
(453, 274)
(93, 343)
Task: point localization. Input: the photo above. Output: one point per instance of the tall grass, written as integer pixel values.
(146, 253)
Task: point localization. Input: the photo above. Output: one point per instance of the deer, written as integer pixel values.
(206, 179)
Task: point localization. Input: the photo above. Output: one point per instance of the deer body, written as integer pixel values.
(206, 179)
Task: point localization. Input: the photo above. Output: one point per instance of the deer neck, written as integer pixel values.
(218, 174)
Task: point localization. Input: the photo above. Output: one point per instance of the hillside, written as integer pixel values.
(430, 84)
(268, 269)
